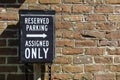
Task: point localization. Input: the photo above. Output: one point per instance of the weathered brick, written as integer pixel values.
(67, 43)
(117, 59)
(82, 60)
(103, 9)
(12, 16)
(85, 43)
(72, 51)
(113, 35)
(72, 17)
(49, 1)
(93, 34)
(103, 60)
(95, 17)
(72, 69)
(61, 8)
(71, 1)
(72, 34)
(63, 25)
(94, 68)
(105, 26)
(115, 68)
(113, 51)
(84, 26)
(117, 76)
(56, 68)
(82, 76)
(61, 76)
(105, 42)
(113, 1)
(105, 76)
(63, 60)
(82, 9)
(95, 51)
(113, 17)
(34, 6)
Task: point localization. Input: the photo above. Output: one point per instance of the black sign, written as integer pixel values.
(37, 33)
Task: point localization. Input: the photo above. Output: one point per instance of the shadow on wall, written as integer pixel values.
(12, 68)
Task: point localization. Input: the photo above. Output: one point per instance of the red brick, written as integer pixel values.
(82, 60)
(103, 60)
(115, 68)
(60, 76)
(3, 25)
(105, 26)
(113, 17)
(72, 69)
(94, 68)
(84, 26)
(113, 51)
(82, 76)
(82, 9)
(49, 1)
(95, 51)
(63, 60)
(66, 8)
(105, 76)
(56, 68)
(113, 1)
(72, 34)
(57, 8)
(85, 43)
(72, 51)
(63, 43)
(72, 17)
(95, 17)
(71, 1)
(117, 9)
(113, 35)
(103, 9)
(34, 6)
(93, 34)
(107, 43)
(117, 59)
(12, 16)
(58, 34)
(63, 25)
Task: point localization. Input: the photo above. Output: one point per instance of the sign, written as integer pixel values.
(37, 35)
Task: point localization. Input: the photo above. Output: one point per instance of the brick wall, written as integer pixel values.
(87, 39)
